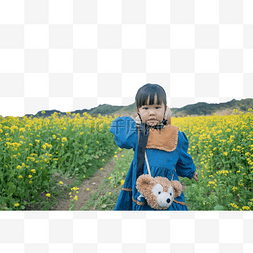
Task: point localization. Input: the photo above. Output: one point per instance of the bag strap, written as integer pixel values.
(143, 132)
(147, 164)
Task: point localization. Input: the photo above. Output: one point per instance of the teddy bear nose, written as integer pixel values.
(168, 200)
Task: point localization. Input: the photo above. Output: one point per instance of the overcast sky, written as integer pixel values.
(82, 54)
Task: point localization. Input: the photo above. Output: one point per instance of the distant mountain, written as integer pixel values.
(200, 108)
(203, 108)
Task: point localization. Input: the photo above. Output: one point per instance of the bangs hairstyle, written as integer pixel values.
(149, 90)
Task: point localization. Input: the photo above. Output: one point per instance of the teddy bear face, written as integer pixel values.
(159, 192)
(163, 198)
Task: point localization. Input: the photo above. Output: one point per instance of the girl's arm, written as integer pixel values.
(185, 166)
(125, 132)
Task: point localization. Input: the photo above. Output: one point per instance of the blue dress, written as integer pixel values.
(162, 162)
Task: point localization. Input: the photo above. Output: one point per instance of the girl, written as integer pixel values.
(166, 148)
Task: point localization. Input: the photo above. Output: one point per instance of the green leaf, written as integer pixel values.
(12, 187)
(53, 171)
(219, 208)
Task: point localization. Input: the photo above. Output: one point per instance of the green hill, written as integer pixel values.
(200, 108)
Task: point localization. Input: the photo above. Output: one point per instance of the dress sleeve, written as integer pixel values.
(185, 166)
(125, 132)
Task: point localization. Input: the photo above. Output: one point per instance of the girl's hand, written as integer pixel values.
(196, 176)
(137, 119)
(167, 115)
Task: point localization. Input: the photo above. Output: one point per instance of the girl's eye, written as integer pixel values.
(158, 107)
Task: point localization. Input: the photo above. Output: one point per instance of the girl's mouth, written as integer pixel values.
(152, 122)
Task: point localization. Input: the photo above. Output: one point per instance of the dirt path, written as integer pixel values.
(93, 184)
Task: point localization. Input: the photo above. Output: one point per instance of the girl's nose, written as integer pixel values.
(151, 112)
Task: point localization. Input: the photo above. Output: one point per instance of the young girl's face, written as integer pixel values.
(152, 114)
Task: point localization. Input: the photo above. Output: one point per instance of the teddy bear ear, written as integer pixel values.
(145, 179)
(177, 187)
(143, 182)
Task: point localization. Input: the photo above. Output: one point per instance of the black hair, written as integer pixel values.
(149, 90)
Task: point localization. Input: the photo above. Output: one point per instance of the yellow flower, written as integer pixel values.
(234, 205)
(110, 193)
(20, 177)
(122, 181)
(234, 189)
(103, 160)
(17, 204)
(88, 189)
(30, 181)
(61, 183)
(101, 168)
(64, 139)
(115, 156)
(84, 176)
(33, 170)
(109, 178)
(30, 176)
(48, 194)
(22, 129)
(75, 198)
(122, 155)
(19, 167)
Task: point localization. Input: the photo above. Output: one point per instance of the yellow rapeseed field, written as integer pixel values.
(222, 149)
(33, 149)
